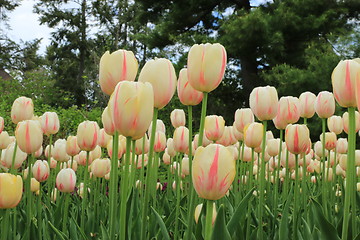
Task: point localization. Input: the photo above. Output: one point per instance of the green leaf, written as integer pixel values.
(57, 231)
(104, 233)
(72, 230)
(284, 222)
(220, 230)
(161, 223)
(327, 230)
(239, 213)
(306, 230)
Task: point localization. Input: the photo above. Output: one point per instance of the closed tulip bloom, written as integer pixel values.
(297, 138)
(41, 170)
(29, 136)
(272, 147)
(205, 142)
(243, 117)
(335, 124)
(22, 109)
(87, 135)
(11, 189)
(72, 147)
(131, 107)
(342, 145)
(100, 167)
(1, 124)
(4, 140)
(59, 151)
(246, 156)
(107, 122)
(188, 96)
(19, 158)
(264, 102)
(253, 134)
(50, 123)
(160, 126)
(345, 118)
(213, 171)
(170, 147)
(185, 170)
(139, 148)
(38, 153)
(104, 138)
(140, 161)
(177, 118)
(53, 162)
(280, 122)
(214, 127)
(198, 211)
(161, 74)
(239, 136)
(66, 180)
(206, 66)
(121, 146)
(318, 149)
(330, 140)
(343, 80)
(307, 101)
(325, 104)
(96, 153)
(227, 137)
(35, 185)
(81, 158)
(181, 139)
(115, 67)
(289, 109)
(166, 158)
(160, 142)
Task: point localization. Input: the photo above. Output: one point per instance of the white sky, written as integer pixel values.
(25, 25)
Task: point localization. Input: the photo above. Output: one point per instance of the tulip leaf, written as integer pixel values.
(220, 230)
(161, 223)
(284, 222)
(72, 230)
(239, 213)
(104, 233)
(57, 231)
(306, 228)
(327, 230)
(81, 231)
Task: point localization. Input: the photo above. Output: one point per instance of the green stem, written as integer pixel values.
(286, 180)
(133, 165)
(208, 222)
(202, 119)
(148, 183)
(350, 174)
(12, 169)
(142, 164)
(262, 183)
(323, 174)
(124, 190)
(113, 184)
(85, 190)
(277, 176)
(66, 210)
(39, 211)
(296, 196)
(5, 224)
(28, 196)
(251, 167)
(178, 193)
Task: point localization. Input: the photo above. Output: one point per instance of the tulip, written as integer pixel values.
(205, 142)
(115, 67)
(166, 158)
(11, 189)
(41, 170)
(343, 81)
(38, 153)
(185, 166)
(318, 149)
(29, 136)
(53, 163)
(206, 66)
(177, 118)
(4, 140)
(160, 142)
(239, 136)
(72, 147)
(227, 137)
(100, 167)
(307, 101)
(87, 135)
(121, 147)
(140, 161)
(288, 109)
(342, 145)
(253, 135)
(160, 126)
(297, 138)
(175, 167)
(22, 109)
(59, 151)
(139, 148)
(50, 123)
(198, 211)
(213, 171)
(19, 157)
(273, 147)
(1, 124)
(324, 104)
(243, 117)
(104, 138)
(181, 139)
(107, 122)
(214, 127)
(131, 108)
(330, 140)
(345, 118)
(264, 102)
(35, 185)
(246, 156)
(187, 94)
(66, 180)
(161, 74)
(81, 159)
(335, 124)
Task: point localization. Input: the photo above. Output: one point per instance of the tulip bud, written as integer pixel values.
(11, 189)
(22, 109)
(198, 211)
(288, 110)
(166, 158)
(115, 67)
(246, 155)
(139, 148)
(4, 140)
(81, 159)
(214, 127)
(177, 118)
(100, 167)
(186, 93)
(107, 122)
(41, 170)
(239, 136)
(297, 138)
(66, 180)
(161, 74)
(59, 151)
(131, 108)
(87, 135)
(205, 142)
(140, 160)
(307, 101)
(346, 121)
(213, 171)
(35, 185)
(206, 66)
(273, 147)
(330, 140)
(325, 104)
(335, 124)
(104, 138)
(72, 147)
(160, 126)
(264, 102)
(181, 139)
(50, 123)
(341, 145)
(243, 117)
(253, 134)
(29, 136)
(160, 142)
(174, 185)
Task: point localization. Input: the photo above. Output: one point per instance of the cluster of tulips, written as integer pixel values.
(110, 183)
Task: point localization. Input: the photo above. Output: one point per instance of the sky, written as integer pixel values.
(25, 25)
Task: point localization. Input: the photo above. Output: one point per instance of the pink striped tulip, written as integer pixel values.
(121, 148)
(330, 140)
(161, 74)
(325, 104)
(19, 157)
(239, 136)
(139, 148)
(198, 211)
(264, 102)
(335, 124)
(39, 152)
(243, 117)
(104, 138)
(115, 67)
(59, 151)
(166, 158)
(253, 135)
(140, 160)
(345, 118)
(227, 137)
(206, 66)
(66, 180)
(170, 147)
(72, 147)
(177, 118)
(273, 147)
(343, 79)
(107, 122)
(214, 127)
(307, 101)
(131, 108)
(160, 126)
(41, 170)
(11, 189)
(297, 138)
(246, 156)
(288, 109)
(96, 153)
(87, 135)
(160, 142)
(22, 109)
(100, 167)
(181, 139)
(188, 96)
(342, 146)
(50, 123)
(4, 139)
(213, 171)
(29, 136)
